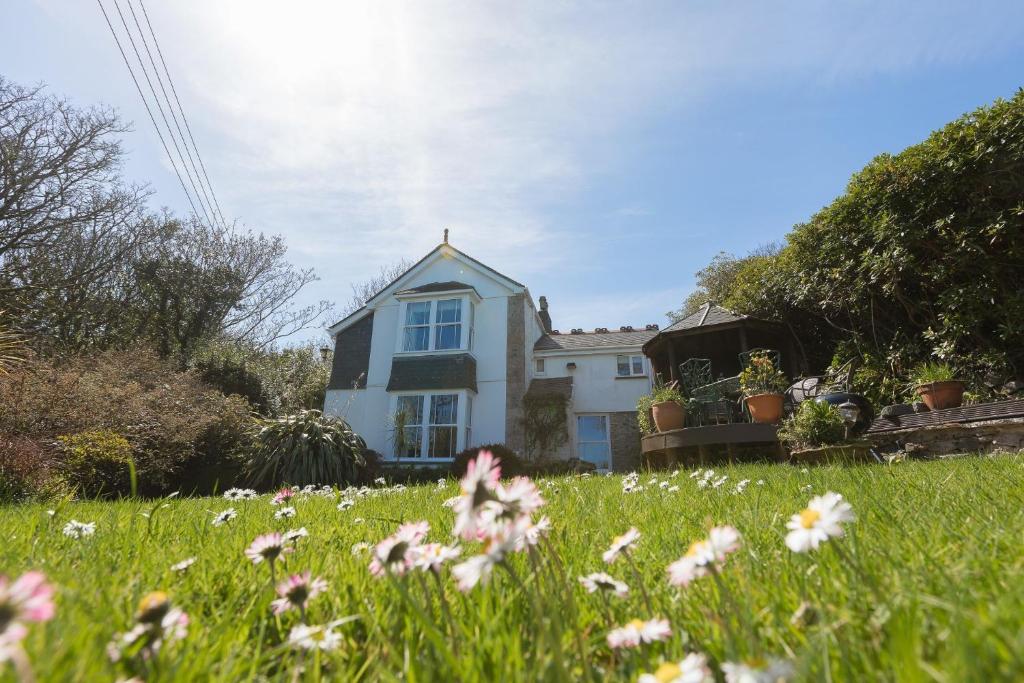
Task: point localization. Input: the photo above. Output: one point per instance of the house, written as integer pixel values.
(454, 354)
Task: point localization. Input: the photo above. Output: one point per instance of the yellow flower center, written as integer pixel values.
(152, 600)
(667, 672)
(808, 517)
(637, 623)
(695, 547)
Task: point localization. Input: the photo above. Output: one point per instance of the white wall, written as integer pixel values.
(595, 386)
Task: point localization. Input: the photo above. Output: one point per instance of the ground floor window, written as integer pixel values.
(593, 442)
(428, 425)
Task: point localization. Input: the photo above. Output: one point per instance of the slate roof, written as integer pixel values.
(593, 340)
(548, 386)
(450, 286)
(449, 371)
(707, 315)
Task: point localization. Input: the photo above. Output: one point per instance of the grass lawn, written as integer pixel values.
(927, 583)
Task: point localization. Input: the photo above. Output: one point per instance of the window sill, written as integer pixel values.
(630, 376)
(442, 352)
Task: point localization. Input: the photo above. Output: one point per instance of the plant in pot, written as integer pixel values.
(938, 386)
(762, 385)
(665, 404)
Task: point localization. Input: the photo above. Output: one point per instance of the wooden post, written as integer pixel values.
(673, 371)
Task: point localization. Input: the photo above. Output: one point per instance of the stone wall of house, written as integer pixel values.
(625, 438)
(515, 369)
(953, 439)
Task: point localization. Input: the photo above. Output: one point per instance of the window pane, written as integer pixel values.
(623, 364)
(592, 428)
(416, 339)
(448, 337)
(540, 365)
(442, 442)
(597, 453)
(449, 311)
(417, 313)
(444, 409)
(638, 365)
(412, 406)
(413, 443)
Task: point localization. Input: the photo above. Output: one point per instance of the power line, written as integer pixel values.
(149, 111)
(160, 82)
(184, 118)
(156, 98)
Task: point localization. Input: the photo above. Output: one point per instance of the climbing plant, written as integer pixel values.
(544, 424)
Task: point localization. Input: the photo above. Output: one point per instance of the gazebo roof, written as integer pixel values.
(708, 315)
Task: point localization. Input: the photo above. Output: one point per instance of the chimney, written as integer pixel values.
(545, 317)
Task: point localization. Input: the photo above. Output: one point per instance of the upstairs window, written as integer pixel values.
(435, 325)
(629, 366)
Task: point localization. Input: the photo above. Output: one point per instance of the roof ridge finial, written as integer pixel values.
(446, 235)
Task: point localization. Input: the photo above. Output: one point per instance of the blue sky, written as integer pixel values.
(600, 152)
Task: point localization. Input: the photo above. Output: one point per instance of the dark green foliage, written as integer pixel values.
(921, 258)
(305, 448)
(815, 423)
(511, 464)
(544, 424)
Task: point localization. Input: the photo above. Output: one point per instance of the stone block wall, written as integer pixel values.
(953, 439)
(625, 439)
(515, 369)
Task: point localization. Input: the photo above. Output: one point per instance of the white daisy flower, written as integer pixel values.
(324, 638)
(224, 517)
(359, 548)
(820, 521)
(346, 503)
(673, 489)
(433, 556)
(600, 581)
(693, 669)
(621, 544)
(75, 529)
(760, 482)
(182, 567)
(285, 513)
(638, 631)
(721, 541)
(379, 481)
(757, 671)
(504, 541)
(293, 535)
(718, 482)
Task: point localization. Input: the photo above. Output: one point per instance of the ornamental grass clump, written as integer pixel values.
(814, 424)
(306, 448)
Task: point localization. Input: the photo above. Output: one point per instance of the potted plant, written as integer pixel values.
(816, 433)
(665, 404)
(938, 386)
(762, 386)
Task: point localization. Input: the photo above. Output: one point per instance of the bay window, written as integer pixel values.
(434, 425)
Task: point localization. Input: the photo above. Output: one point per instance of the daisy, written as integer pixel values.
(673, 489)
(293, 535)
(285, 513)
(224, 517)
(156, 623)
(478, 568)
(182, 567)
(239, 494)
(820, 521)
(603, 582)
(29, 598)
(379, 481)
(519, 498)
(395, 553)
(757, 671)
(638, 631)
(478, 487)
(718, 482)
(432, 556)
(74, 529)
(267, 547)
(282, 496)
(693, 669)
(701, 555)
(742, 485)
(323, 638)
(451, 502)
(534, 532)
(296, 591)
(346, 503)
(621, 545)
(359, 548)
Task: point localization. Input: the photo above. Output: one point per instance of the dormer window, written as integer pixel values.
(436, 325)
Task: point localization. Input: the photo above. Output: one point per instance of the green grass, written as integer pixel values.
(926, 585)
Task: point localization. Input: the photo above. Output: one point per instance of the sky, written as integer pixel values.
(599, 152)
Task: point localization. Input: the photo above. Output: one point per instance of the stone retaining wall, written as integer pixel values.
(939, 441)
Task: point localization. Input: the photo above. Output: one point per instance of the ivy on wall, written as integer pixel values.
(544, 424)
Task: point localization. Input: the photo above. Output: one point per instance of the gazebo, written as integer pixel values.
(719, 335)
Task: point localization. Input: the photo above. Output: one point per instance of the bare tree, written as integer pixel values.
(364, 291)
(60, 179)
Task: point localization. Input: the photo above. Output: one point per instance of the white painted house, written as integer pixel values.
(455, 346)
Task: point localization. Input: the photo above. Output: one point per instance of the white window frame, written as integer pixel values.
(631, 360)
(463, 427)
(608, 431)
(467, 315)
(540, 366)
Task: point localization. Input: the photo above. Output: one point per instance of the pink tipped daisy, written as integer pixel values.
(621, 545)
(267, 547)
(638, 632)
(395, 553)
(296, 591)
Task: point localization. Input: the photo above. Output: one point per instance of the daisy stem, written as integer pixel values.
(446, 609)
(735, 607)
(639, 582)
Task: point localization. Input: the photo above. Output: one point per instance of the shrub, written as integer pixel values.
(25, 467)
(306, 448)
(511, 464)
(760, 376)
(97, 462)
(169, 417)
(814, 424)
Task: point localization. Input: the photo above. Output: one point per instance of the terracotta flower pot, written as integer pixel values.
(765, 408)
(939, 395)
(668, 415)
